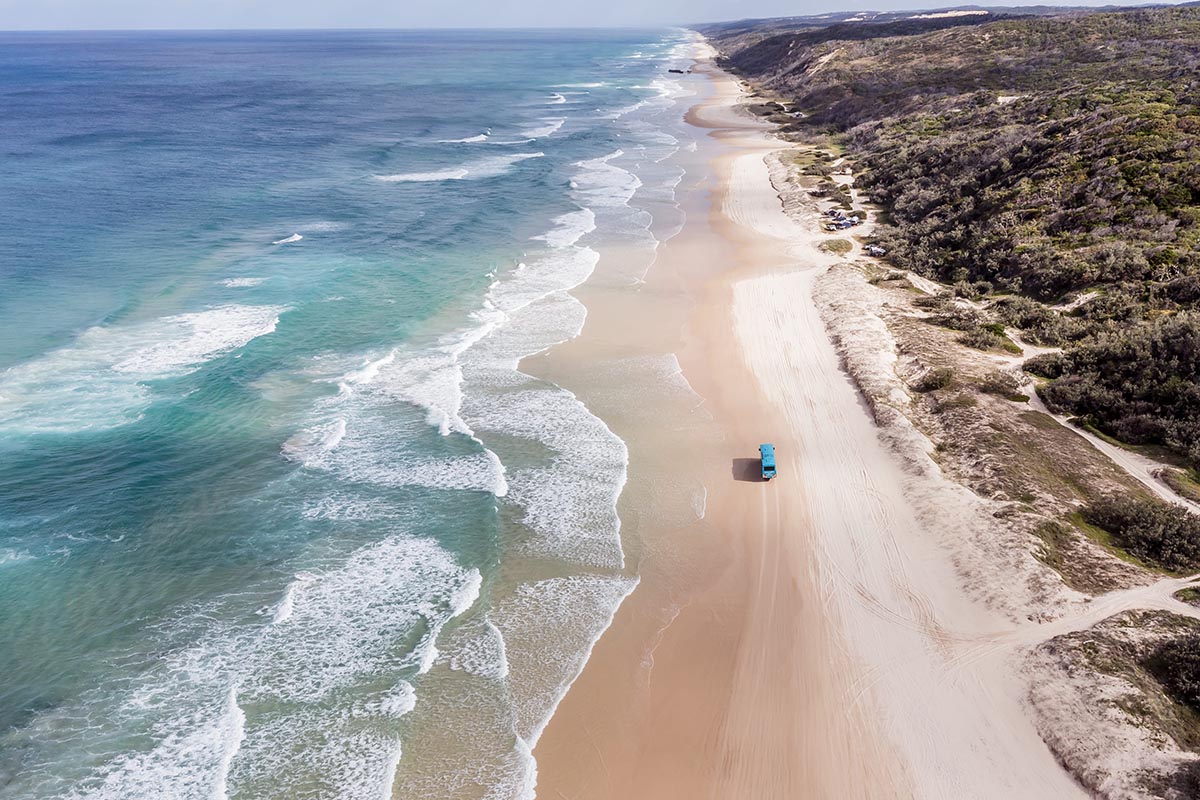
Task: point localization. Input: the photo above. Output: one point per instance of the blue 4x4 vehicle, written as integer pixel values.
(767, 451)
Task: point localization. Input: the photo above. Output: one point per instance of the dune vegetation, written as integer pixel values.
(1048, 167)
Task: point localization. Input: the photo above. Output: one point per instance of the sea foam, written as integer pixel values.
(482, 137)
(258, 709)
(242, 283)
(101, 380)
(548, 128)
(483, 168)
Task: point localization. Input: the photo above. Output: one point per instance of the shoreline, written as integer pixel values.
(807, 637)
(682, 696)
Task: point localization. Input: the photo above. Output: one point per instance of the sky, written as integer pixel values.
(163, 14)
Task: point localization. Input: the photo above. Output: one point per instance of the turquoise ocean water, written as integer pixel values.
(279, 515)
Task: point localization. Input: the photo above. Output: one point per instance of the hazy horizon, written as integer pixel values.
(82, 15)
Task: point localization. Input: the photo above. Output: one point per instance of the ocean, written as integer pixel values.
(280, 515)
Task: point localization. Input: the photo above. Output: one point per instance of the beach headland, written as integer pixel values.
(807, 637)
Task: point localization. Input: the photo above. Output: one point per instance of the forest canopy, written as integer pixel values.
(1041, 158)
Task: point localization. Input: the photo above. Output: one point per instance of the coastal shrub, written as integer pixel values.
(1140, 383)
(1176, 665)
(1184, 291)
(1047, 365)
(986, 338)
(957, 317)
(1157, 532)
(1002, 383)
(1119, 305)
(1039, 323)
(933, 379)
(932, 302)
(972, 290)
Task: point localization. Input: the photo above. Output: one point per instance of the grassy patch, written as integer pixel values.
(839, 247)
(1061, 547)
(1190, 595)
(802, 158)
(1029, 454)
(1056, 540)
(893, 280)
(1183, 483)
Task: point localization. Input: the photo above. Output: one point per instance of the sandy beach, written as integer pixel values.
(807, 637)
(403, 441)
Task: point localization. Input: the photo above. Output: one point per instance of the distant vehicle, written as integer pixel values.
(767, 451)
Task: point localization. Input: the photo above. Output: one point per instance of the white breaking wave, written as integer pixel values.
(601, 183)
(266, 709)
(309, 446)
(535, 642)
(185, 341)
(550, 127)
(482, 137)
(456, 174)
(283, 611)
(556, 99)
(236, 734)
(484, 168)
(569, 228)
(12, 556)
(102, 380)
(295, 237)
(480, 651)
(358, 440)
(499, 165)
(242, 283)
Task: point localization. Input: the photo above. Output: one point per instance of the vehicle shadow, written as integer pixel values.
(747, 469)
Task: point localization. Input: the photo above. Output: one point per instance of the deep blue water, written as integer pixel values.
(271, 485)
